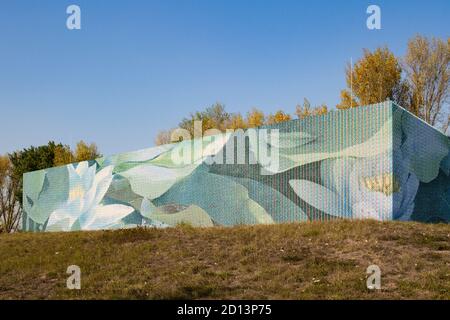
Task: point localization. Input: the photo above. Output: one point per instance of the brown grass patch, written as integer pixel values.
(289, 261)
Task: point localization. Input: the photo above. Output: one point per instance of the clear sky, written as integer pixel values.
(136, 67)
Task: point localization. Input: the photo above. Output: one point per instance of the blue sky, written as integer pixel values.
(137, 67)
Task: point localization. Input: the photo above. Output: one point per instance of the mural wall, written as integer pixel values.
(377, 162)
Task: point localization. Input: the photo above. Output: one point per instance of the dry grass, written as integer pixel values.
(292, 261)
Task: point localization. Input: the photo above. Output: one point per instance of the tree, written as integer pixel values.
(213, 117)
(85, 152)
(320, 110)
(30, 159)
(163, 137)
(10, 209)
(374, 78)
(237, 122)
(189, 123)
(426, 65)
(218, 116)
(63, 156)
(4, 168)
(347, 101)
(278, 117)
(255, 118)
(306, 110)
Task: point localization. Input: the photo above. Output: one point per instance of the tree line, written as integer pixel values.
(418, 81)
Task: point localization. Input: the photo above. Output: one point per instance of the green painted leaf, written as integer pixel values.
(275, 203)
(32, 187)
(226, 201)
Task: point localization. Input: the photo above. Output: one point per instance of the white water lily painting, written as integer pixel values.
(375, 162)
(83, 209)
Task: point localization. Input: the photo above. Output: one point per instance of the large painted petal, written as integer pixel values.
(335, 174)
(81, 168)
(136, 156)
(101, 217)
(61, 220)
(88, 199)
(75, 181)
(81, 179)
(408, 194)
(425, 147)
(73, 175)
(192, 152)
(192, 215)
(89, 177)
(151, 181)
(320, 198)
(258, 212)
(76, 206)
(102, 181)
(147, 208)
(166, 159)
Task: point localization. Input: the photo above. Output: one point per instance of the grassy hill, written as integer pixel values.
(291, 261)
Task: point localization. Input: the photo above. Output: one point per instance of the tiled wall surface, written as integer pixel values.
(377, 162)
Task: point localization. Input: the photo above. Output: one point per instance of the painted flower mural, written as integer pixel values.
(373, 187)
(83, 209)
(377, 162)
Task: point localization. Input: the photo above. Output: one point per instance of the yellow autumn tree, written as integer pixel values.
(278, 117)
(63, 155)
(320, 110)
(213, 117)
(305, 110)
(255, 118)
(237, 122)
(372, 79)
(84, 152)
(346, 101)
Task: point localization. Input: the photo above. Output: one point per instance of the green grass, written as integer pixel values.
(290, 261)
